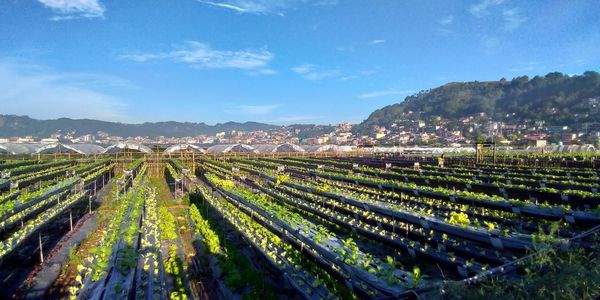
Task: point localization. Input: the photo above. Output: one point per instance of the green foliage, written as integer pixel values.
(549, 274)
(209, 237)
(460, 219)
(166, 224)
(175, 267)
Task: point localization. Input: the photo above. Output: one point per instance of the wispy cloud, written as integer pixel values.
(386, 93)
(253, 109)
(482, 8)
(512, 19)
(317, 73)
(314, 73)
(524, 67)
(265, 7)
(27, 89)
(202, 56)
(490, 45)
(262, 72)
(74, 9)
(447, 20)
(375, 42)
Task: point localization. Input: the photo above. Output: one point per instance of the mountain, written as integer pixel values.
(556, 98)
(11, 125)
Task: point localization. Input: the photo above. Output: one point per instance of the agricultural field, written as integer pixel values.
(245, 227)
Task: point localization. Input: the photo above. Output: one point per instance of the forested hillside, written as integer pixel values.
(556, 98)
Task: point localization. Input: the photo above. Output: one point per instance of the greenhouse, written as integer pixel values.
(388, 149)
(85, 149)
(184, 148)
(571, 149)
(21, 149)
(228, 148)
(128, 146)
(277, 148)
(321, 148)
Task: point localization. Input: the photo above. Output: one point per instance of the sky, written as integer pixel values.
(273, 61)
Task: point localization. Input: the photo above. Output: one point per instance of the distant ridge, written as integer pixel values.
(11, 125)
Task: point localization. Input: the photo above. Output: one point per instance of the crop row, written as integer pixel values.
(367, 271)
(296, 261)
(116, 250)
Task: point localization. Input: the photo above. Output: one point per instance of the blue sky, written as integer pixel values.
(274, 61)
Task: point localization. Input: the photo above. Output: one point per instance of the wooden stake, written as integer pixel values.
(41, 251)
(71, 218)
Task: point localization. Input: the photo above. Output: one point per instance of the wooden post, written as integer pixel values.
(71, 218)
(41, 250)
(90, 204)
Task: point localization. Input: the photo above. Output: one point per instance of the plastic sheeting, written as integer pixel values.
(21, 149)
(85, 149)
(227, 148)
(321, 148)
(184, 147)
(587, 148)
(277, 148)
(128, 145)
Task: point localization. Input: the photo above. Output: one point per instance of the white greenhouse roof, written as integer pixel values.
(21, 149)
(128, 145)
(238, 148)
(85, 149)
(184, 147)
(321, 148)
(281, 148)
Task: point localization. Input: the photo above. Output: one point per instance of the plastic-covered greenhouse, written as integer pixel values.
(277, 148)
(128, 146)
(85, 149)
(227, 148)
(321, 148)
(184, 148)
(21, 149)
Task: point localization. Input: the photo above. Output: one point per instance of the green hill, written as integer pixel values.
(556, 98)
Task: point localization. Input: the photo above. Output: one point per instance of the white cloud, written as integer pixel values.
(41, 93)
(262, 72)
(512, 19)
(481, 9)
(74, 9)
(253, 109)
(202, 56)
(378, 94)
(490, 45)
(375, 42)
(265, 7)
(525, 67)
(446, 21)
(314, 73)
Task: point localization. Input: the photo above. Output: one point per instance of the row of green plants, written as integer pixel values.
(370, 223)
(116, 246)
(150, 274)
(306, 277)
(389, 277)
(32, 226)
